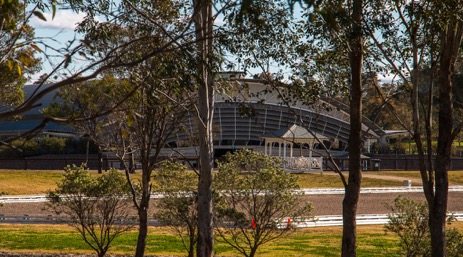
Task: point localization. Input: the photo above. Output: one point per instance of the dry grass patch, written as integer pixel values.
(27, 182)
(331, 180)
(455, 176)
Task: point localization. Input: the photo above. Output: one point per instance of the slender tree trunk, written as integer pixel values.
(100, 160)
(450, 43)
(191, 249)
(352, 189)
(142, 232)
(204, 35)
(143, 212)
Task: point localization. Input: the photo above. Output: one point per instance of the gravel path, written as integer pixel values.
(323, 204)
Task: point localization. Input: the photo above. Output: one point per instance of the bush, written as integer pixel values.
(258, 201)
(96, 207)
(177, 209)
(409, 221)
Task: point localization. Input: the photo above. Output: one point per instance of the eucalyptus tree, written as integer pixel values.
(18, 58)
(424, 54)
(134, 117)
(330, 52)
(206, 61)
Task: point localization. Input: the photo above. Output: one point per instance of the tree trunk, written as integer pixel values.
(352, 189)
(192, 237)
(204, 34)
(450, 43)
(100, 160)
(142, 232)
(143, 212)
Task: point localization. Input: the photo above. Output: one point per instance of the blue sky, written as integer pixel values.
(55, 32)
(61, 30)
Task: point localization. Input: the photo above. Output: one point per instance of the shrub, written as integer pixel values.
(409, 221)
(177, 208)
(258, 201)
(96, 207)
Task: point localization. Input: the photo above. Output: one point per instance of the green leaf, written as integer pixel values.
(39, 15)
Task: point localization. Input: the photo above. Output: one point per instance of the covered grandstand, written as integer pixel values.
(245, 114)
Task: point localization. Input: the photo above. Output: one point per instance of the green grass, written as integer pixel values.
(26, 182)
(303, 242)
(23, 182)
(317, 180)
(326, 241)
(454, 176)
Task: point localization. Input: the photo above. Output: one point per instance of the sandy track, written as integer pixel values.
(323, 204)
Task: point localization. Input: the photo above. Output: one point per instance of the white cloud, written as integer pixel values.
(64, 19)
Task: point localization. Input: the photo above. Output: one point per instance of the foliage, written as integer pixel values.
(309, 242)
(257, 198)
(45, 145)
(133, 115)
(409, 221)
(95, 207)
(17, 52)
(177, 208)
(36, 146)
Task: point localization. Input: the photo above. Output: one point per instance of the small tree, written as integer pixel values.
(177, 208)
(410, 221)
(257, 197)
(96, 207)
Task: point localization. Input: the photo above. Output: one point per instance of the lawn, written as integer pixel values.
(304, 242)
(26, 182)
(317, 180)
(455, 177)
(325, 241)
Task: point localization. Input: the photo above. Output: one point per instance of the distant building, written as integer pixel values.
(245, 115)
(29, 120)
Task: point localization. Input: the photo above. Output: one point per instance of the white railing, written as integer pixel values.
(303, 163)
(306, 191)
(336, 220)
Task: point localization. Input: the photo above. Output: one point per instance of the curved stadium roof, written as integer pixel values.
(268, 114)
(327, 117)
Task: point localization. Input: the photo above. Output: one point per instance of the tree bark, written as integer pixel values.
(204, 35)
(143, 213)
(450, 43)
(352, 189)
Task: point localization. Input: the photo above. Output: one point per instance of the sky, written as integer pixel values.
(61, 30)
(55, 32)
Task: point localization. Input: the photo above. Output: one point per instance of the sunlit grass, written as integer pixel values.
(317, 180)
(326, 241)
(26, 182)
(455, 177)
